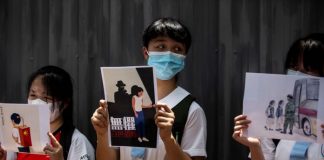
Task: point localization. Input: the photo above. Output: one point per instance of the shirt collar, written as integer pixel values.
(174, 97)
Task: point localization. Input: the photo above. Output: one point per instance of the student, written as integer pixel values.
(165, 45)
(306, 56)
(52, 85)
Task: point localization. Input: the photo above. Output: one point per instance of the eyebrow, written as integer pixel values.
(43, 93)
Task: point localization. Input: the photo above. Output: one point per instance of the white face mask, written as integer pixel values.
(293, 72)
(54, 111)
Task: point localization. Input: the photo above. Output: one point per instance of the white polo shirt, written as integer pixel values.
(194, 136)
(284, 148)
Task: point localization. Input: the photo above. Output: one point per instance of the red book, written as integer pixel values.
(30, 156)
(25, 138)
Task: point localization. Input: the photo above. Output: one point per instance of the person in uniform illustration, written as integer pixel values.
(289, 115)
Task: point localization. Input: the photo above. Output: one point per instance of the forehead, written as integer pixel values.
(165, 39)
(37, 85)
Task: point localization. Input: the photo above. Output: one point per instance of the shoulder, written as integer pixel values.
(195, 108)
(81, 148)
(79, 137)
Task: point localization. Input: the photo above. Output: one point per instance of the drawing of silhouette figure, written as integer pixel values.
(270, 116)
(122, 98)
(121, 94)
(279, 116)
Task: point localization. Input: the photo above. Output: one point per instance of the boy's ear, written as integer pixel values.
(145, 53)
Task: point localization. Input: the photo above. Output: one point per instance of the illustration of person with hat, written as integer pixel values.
(120, 95)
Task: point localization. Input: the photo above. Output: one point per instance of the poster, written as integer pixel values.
(131, 94)
(284, 106)
(24, 127)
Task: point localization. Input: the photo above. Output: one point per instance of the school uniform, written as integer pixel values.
(195, 131)
(285, 147)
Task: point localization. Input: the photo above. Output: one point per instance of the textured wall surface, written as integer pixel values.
(230, 37)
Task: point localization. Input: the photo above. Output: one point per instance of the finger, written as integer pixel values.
(163, 108)
(240, 127)
(100, 117)
(101, 111)
(99, 124)
(242, 122)
(55, 143)
(164, 114)
(236, 134)
(240, 117)
(103, 103)
(164, 119)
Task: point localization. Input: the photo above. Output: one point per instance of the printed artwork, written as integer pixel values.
(131, 93)
(284, 106)
(24, 127)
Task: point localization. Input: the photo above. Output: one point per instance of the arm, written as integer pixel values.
(133, 106)
(164, 119)
(15, 135)
(240, 123)
(100, 123)
(147, 105)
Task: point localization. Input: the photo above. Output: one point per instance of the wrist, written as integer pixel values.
(255, 146)
(168, 139)
(102, 137)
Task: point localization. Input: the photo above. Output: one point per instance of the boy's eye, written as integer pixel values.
(160, 46)
(177, 49)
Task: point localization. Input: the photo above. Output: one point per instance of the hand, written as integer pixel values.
(55, 151)
(3, 153)
(99, 118)
(164, 119)
(240, 123)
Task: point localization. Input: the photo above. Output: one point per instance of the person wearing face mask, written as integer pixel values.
(165, 46)
(305, 57)
(52, 85)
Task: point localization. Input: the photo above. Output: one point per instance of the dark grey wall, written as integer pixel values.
(230, 37)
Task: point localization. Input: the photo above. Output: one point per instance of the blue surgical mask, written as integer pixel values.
(166, 64)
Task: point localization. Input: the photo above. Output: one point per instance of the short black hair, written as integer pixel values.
(135, 90)
(15, 117)
(308, 51)
(167, 27)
